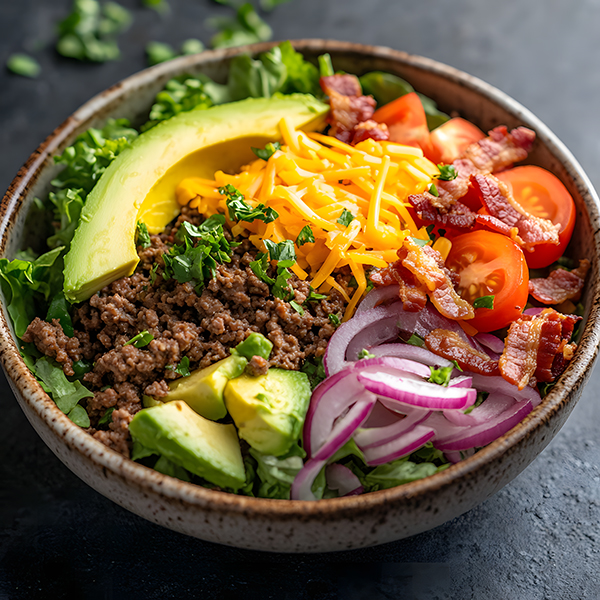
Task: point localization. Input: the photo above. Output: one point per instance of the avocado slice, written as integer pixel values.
(269, 410)
(203, 389)
(103, 247)
(205, 448)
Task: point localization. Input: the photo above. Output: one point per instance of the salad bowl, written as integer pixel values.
(336, 523)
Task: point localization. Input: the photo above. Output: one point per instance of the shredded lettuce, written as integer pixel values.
(275, 474)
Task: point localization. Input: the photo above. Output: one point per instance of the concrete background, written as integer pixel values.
(538, 538)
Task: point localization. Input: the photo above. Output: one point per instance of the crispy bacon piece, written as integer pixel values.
(496, 152)
(425, 266)
(458, 216)
(560, 285)
(500, 149)
(420, 271)
(508, 217)
(537, 348)
(370, 129)
(451, 346)
(348, 106)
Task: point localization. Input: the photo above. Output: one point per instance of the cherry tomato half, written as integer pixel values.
(490, 264)
(542, 194)
(451, 139)
(406, 121)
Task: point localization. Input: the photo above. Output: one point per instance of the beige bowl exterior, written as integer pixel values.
(327, 525)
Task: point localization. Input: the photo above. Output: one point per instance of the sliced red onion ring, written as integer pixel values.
(483, 434)
(533, 311)
(494, 405)
(371, 327)
(377, 296)
(417, 393)
(457, 456)
(430, 319)
(415, 353)
(399, 447)
(376, 436)
(495, 383)
(495, 344)
(302, 484)
(343, 480)
(346, 425)
(393, 365)
(461, 381)
(341, 432)
(330, 399)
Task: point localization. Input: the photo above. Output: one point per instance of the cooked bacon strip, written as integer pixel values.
(370, 130)
(411, 292)
(500, 149)
(508, 217)
(537, 348)
(425, 266)
(451, 346)
(348, 106)
(458, 216)
(496, 152)
(561, 285)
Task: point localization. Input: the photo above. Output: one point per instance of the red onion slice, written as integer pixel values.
(495, 344)
(399, 447)
(461, 381)
(302, 484)
(495, 383)
(533, 311)
(346, 425)
(377, 296)
(393, 365)
(485, 433)
(376, 436)
(343, 480)
(417, 393)
(407, 351)
(329, 400)
(494, 405)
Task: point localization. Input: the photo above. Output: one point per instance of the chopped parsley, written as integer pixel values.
(240, 210)
(416, 340)
(24, 65)
(442, 375)
(315, 296)
(433, 190)
(447, 172)
(315, 370)
(419, 241)
(297, 307)
(106, 418)
(282, 251)
(183, 368)
(279, 285)
(142, 235)
(267, 151)
(484, 302)
(143, 338)
(306, 236)
(334, 320)
(346, 218)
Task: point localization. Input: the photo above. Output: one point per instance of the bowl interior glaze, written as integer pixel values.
(334, 524)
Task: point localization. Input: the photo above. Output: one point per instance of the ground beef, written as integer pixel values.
(200, 326)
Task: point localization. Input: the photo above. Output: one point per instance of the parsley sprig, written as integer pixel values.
(240, 210)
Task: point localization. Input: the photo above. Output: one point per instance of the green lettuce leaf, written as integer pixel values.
(275, 474)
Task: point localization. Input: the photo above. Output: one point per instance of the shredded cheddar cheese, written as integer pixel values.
(316, 180)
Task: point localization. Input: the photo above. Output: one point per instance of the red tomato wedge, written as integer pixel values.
(406, 121)
(490, 264)
(542, 194)
(450, 140)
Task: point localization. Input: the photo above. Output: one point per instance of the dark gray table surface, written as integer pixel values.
(537, 538)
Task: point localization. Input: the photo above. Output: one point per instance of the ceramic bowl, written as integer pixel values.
(340, 523)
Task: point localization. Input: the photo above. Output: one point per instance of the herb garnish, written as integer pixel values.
(240, 210)
(346, 218)
(267, 151)
(143, 338)
(245, 28)
(442, 375)
(142, 235)
(433, 190)
(484, 302)
(306, 236)
(24, 65)
(364, 353)
(334, 320)
(447, 172)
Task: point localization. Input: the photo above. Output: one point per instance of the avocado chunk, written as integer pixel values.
(255, 344)
(103, 247)
(205, 448)
(203, 389)
(269, 410)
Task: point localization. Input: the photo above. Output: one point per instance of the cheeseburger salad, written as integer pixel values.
(299, 284)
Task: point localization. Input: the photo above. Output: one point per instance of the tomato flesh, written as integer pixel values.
(490, 264)
(406, 121)
(449, 141)
(542, 194)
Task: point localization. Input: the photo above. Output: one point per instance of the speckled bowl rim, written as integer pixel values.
(25, 384)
